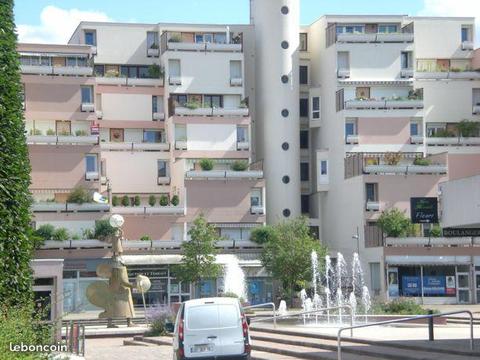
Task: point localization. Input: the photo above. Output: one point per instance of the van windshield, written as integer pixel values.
(212, 317)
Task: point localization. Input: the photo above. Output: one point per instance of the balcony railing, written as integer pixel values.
(405, 169)
(88, 107)
(68, 207)
(343, 73)
(92, 175)
(406, 73)
(243, 145)
(416, 139)
(61, 139)
(153, 52)
(180, 144)
(384, 104)
(159, 116)
(375, 37)
(175, 80)
(132, 146)
(128, 81)
(425, 75)
(372, 206)
(351, 139)
(257, 209)
(467, 45)
(57, 70)
(224, 174)
(476, 109)
(184, 111)
(163, 180)
(149, 210)
(191, 46)
(236, 81)
(452, 141)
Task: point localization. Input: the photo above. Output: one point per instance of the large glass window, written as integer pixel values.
(213, 101)
(305, 204)
(153, 136)
(315, 107)
(304, 171)
(90, 38)
(162, 168)
(323, 167)
(242, 134)
(303, 139)
(152, 40)
(154, 104)
(303, 75)
(350, 29)
(406, 60)
(99, 70)
(180, 99)
(256, 197)
(87, 94)
(371, 191)
(91, 163)
(303, 107)
(387, 28)
(235, 69)
(414, 129)
(303, 41)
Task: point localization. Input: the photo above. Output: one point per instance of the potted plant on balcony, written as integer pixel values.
(392, 158)
(466, 128)
(115, 200)
(79, 195)
(35, 132)
(80, 133)
(152, 200)
(394, 223)
(64, 133)
(155, 71)
(175, 38)
(435, 231)
(243, 104)
(421, 161)
(192, 105)
(163, 200)
(154, 46)
(175, 200)
(443, 133)
(239, 165)
(125, 200)
(206, 164)
(111, 73)
(50, 132)
(137, 201)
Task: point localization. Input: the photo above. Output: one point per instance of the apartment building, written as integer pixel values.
(338, 120)
(385, 104)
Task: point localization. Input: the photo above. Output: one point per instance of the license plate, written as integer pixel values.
(201, 348)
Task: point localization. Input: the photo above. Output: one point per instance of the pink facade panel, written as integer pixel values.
(463, 165)
(157, 227)
(384, 130)
(476, 60)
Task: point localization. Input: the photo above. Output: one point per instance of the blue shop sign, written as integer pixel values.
(411, 286)
(433, 285)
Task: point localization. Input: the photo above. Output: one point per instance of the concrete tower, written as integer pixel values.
(277, 103)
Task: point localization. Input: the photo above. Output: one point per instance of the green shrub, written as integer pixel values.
(394, 223)
(401, 306)
(175, 200)
(61, 234)
(158, 316)
(468, 128)
(163, 200)
(455, 70)
(18, 325)
(50, 132)
(261, 234)
(137, 200)
(152, 200)
(75, 237)
(192, 105)
(175, 38)
(125, 200)
(435, 231)
(154, 70)
(145, 238)
(421, 161)
(80, 133)
(442, 133)
(103, 230)
(45, 231)
(35, 132)
(79, 195)
(115, 200)
(88, 234)
(239, 165)
(206, 164)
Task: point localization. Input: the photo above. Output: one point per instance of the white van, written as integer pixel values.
(211, 328)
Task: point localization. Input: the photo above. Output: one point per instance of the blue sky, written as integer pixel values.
(54, 20)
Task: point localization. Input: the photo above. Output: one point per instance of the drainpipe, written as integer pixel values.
(421, 281)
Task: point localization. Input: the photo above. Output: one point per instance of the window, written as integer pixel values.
(162, 168)
(91, 163)
(375, 278)
(466, 33)
(235, 69)
(387, 28)
(153, 136)
(414, 129)
(303, 139)
(154, 104)
(433, 129)
(371, 191)
(316, 107)
(152, 40)
(242, 134)
(256, 197)
(362, 92)
(303, 107)
(303, 41)
(220, 38)
(303, 75)
(213, 101)
(179, 99)
(343, 60)
(90, 37)
(350, 128)
(143, 72)
(350, 29)
(180, 133)
(304, 171)
(406, 60)
(340, 100)
(174, 67)
(323, 167)
(87, 94)
(99, 70)
(305, 204)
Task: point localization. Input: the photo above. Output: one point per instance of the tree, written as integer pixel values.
(467, 128)
(103, 230)
(16, 247)
(287, 253)
(198, 254)
(394, 223)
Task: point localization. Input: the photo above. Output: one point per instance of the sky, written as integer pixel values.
(53, 21)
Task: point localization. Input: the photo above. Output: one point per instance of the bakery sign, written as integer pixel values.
(424, 210)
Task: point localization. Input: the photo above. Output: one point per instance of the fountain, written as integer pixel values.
(328, 273)
(341, 272)
(234, 278)
(314, 258)
(282, 308)
(366, 301)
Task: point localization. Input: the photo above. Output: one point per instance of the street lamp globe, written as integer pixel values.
(116, 220)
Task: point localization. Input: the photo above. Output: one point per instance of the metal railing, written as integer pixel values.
(339, 334)
(312, 312)
(265, 305)
(75, 338)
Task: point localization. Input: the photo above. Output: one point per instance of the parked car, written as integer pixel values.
(211, 328)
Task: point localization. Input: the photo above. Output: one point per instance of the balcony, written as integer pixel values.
(405, 169)
(452, 141)
(243, 145)
(351, 139)
(37, 69)
(153, 52)
(360, 104)
(430, 242)
(62, 140)
(163, 180)
(343, 73)
(131, 146)
(467, 45)
(185, 111)
(92, 175)
(69, 207)
(88, 107)
(257, 210)
(128, 81)
(416, 139)
(175, 80)
(406, 73)
(236, 82)
(372, 206)
(158, 116)
(224, 174)
(191, 46)
(149, 210)
(444, 75)
(375, 38)
(180, 145)
(476, 109)
(57, 70)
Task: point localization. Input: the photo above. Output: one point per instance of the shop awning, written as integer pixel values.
(171, 259)
(426, 260)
